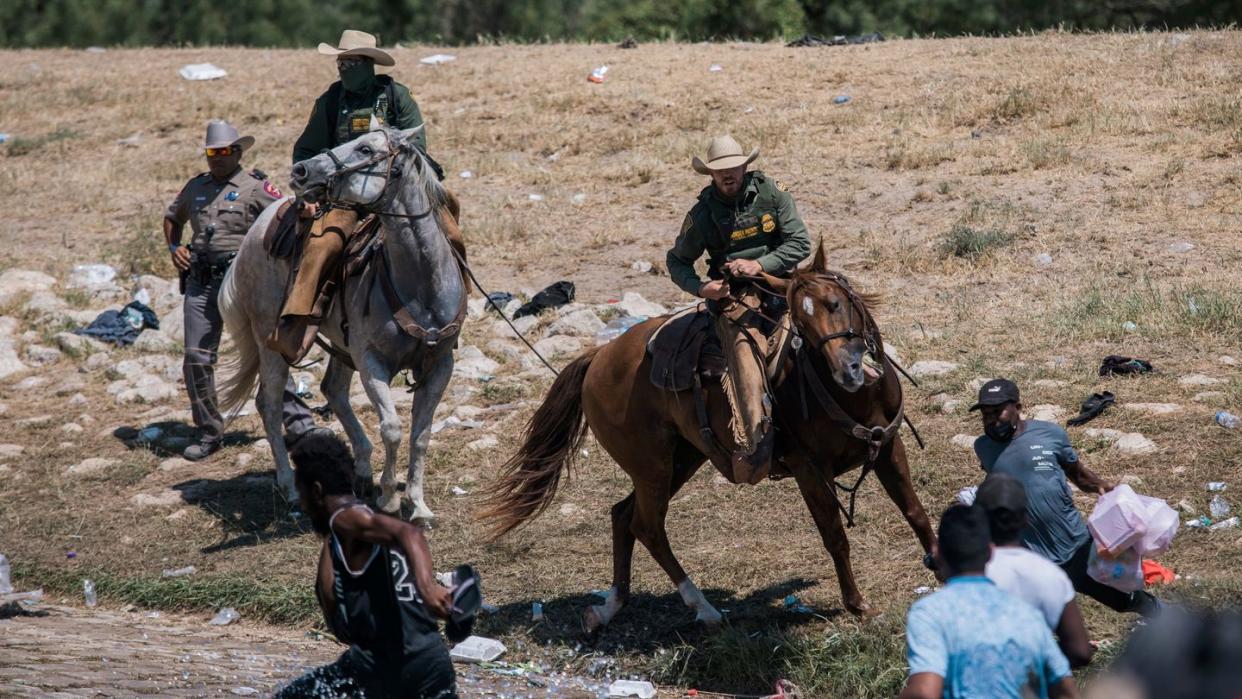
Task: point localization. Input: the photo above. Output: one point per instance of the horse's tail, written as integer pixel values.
(241, 368)
(529, 479)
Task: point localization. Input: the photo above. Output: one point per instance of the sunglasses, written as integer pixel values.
(213, 152)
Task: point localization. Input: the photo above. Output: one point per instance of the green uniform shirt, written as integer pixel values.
(352, 116)
(761, 223)
(220, 213)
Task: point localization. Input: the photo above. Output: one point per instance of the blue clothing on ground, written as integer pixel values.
(121, 327)
(1037, 457)
(984, 642)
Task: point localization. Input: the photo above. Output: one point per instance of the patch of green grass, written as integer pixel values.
(1017, 103)
(1184, 312)
(21, 145)
(141, 251)
(1043, 153)
(867, 660)
(273, 602)
(972, 243)
(499, 392)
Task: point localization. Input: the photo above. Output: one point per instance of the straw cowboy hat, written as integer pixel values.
(356, 43)
(723, 153)
(221, 134)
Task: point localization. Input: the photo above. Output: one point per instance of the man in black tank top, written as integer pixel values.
(376, 586)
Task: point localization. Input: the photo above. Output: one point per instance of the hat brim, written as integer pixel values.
(381, 58)
(243, 142)
(978, 406)
(726, 163)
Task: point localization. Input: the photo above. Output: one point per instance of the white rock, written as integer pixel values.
(964, 441)
(30, 383)
(1154, 408)
(581, 323)
(1047, 412)
(71, 428)
(90, 276)
(1198, 380)
(172, 323)
(95, 362)
(569, 509)
(244, 460)
(892, 352)
(174, 463)
(78, 344)
(558, 345)
(1134, 443)
(8, 451)
(640, 266)
(634, 304)
(155, 392)
(164, 498)
(508, 350)
(91, 466)
(14, 282)
(34, 421)
(41, 355)
(155, 341)
(950, 406)
(1227, 360)
(467, 412)
(8, 326)
(85, 419)
(483, 443)
(1208, 396)
(10, 364)
(932, 367)
(977, 383)
(1104, 433)
(1049, 383)
(471, 363)
(45, 306)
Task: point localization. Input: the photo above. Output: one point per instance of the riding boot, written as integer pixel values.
(303, 311)
(745, 388)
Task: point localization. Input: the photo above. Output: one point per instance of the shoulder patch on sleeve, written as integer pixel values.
(781, 186)
(687, 224)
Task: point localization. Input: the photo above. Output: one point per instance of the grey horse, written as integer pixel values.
(382, 172)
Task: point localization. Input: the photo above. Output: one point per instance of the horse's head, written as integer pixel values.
(355, 173)
(830, 319)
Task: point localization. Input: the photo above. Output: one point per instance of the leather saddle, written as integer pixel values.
(684, 346)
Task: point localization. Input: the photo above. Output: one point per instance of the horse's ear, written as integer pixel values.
(408, 135)
(820, 263)
(780, 286)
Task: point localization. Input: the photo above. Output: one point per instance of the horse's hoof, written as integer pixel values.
(390, 503)
(862, 610)
(711, 619)
(422, 516)
(592, 624)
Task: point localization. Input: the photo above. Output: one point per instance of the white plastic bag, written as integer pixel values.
(1123, 572)
(1162, 523)
(1118, 521)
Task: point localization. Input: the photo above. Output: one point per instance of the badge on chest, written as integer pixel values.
(745, 225)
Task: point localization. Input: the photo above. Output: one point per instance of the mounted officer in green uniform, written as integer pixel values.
(356, 104)
(747, 223)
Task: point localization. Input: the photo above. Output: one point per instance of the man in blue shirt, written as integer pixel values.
(1039, 455)
(972, 639)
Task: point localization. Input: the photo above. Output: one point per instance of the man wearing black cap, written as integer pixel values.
(1039, 455)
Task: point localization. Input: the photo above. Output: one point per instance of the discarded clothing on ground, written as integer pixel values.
(121, 327)
(1156, 574)
(1117, 365)
(499, 299)
(807, 40)
(1095, 404)
(555, 295)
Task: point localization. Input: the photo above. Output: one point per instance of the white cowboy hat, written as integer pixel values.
(723, 153)
(221, 134)
(356, 43)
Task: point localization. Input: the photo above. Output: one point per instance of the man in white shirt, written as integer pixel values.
(1026, 574)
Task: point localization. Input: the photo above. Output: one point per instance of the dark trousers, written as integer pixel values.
(1076, 568)
(203, 326)
(428, 675)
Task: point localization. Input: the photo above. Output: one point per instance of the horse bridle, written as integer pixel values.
(389, 171)
(856, 307)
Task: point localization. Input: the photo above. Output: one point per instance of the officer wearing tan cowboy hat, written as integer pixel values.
(746, 223)
(220, 205)
(348, 109)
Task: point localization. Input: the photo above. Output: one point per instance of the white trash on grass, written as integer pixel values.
(632, 688)
(224, 617)
(202, 71)
(436, 59)
(477, 649)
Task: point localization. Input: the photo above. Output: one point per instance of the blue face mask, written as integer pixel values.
(357, 77)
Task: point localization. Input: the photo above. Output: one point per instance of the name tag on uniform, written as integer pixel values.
(358, 124)
(744, 233)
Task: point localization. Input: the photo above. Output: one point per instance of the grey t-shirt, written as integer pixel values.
(1056, 529)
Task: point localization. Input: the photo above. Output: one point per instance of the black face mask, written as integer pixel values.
(1002, 432)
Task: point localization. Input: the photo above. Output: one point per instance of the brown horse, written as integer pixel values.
(830, 418)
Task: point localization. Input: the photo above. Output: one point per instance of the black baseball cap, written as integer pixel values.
(997, 392)
(1001, 492)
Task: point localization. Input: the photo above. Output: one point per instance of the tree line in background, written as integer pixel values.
(80, 23)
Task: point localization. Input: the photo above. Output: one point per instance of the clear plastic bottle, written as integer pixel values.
(88, 591)
(6, 582)
(1227, 420)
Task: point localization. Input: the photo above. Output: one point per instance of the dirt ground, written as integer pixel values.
(1107, 153)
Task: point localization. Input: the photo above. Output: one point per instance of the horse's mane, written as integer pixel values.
(422, 172)
(813, 277)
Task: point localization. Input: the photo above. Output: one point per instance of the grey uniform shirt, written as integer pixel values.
(1037, 457)
(220, 213)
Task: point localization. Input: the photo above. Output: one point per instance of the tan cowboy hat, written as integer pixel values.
(723, 153)
(356, 43)
(221, 134)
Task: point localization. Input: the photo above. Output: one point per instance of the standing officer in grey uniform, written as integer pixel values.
(220, 206)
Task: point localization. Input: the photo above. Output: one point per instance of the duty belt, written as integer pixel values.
(206, 272)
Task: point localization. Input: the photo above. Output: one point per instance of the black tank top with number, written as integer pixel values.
(378, 608)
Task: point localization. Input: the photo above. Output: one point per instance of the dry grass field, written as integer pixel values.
(954, 164)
